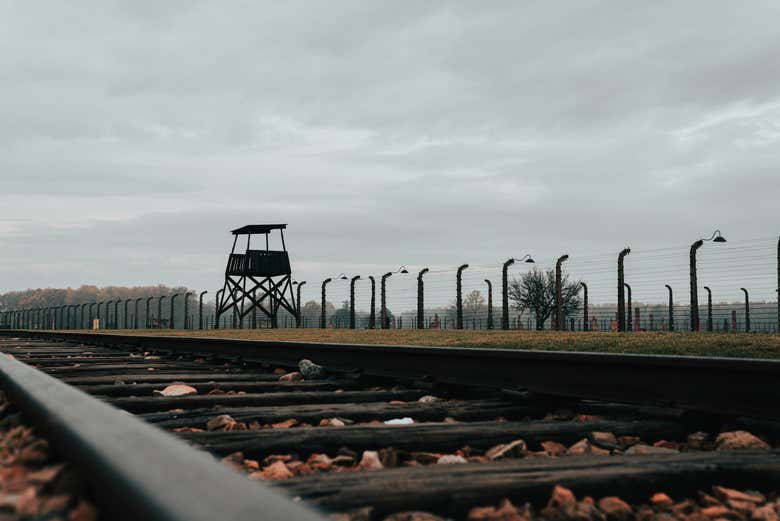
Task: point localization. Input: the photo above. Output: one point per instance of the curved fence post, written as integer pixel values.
(621, 312)
(200, 309)
(459, 295)
(372, 315)
(352, 301)
(694, 311)
(187, 324)
(384, 322)
(323, 316)
(505, 293)
(159, 310)
(489, 304)
(585, 324)
(299, 318)
(421, 299)
(560, 322)
(172, 314)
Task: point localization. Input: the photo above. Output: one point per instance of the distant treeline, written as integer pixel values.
(113, 315)
(45, 297)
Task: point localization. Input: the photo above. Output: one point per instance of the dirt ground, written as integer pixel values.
(747, 345)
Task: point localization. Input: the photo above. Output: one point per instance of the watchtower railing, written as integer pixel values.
(261, 263)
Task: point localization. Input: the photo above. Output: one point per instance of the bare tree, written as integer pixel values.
(311, 310)
(535, 291)
(474, 305)
(340, 317)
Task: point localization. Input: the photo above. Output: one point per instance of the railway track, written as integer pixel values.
(388, 430)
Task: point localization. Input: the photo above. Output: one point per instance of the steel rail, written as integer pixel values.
(722, 386)
(137, 471)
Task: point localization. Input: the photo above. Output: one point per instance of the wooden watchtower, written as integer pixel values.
(257, 279)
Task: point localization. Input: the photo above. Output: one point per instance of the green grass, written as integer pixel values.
(740, 345)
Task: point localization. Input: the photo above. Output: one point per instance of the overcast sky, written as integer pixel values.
(134, 135)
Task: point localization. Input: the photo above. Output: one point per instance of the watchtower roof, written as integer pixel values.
(257, 228)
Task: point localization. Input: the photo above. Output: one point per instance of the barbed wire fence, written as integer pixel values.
(736, 284)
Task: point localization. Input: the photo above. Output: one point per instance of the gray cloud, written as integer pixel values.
(135, 134)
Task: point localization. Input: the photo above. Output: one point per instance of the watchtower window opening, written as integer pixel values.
(261, 237)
